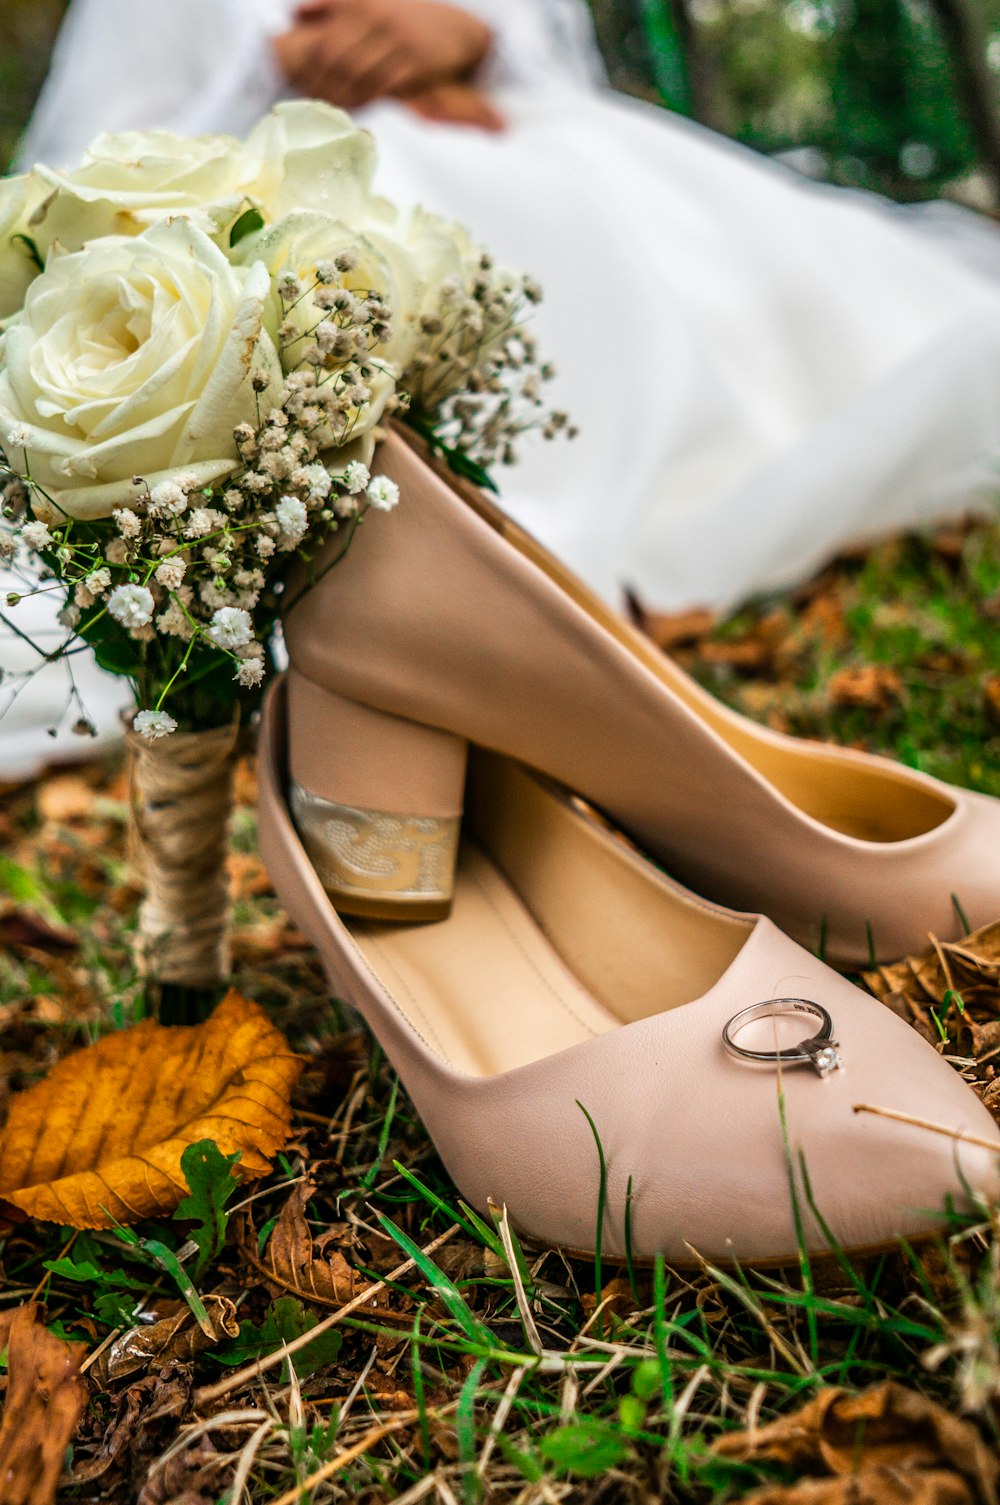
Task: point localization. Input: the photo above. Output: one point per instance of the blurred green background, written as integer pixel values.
(897, 95)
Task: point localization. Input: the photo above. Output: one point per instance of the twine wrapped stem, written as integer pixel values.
(181, 797)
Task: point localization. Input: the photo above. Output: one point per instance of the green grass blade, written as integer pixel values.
(449, 1293)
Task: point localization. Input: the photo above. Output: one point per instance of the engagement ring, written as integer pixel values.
(818, 1051)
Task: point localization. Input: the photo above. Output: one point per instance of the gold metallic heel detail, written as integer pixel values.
(375, 864)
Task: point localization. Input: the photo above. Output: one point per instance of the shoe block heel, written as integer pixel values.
(377, 801)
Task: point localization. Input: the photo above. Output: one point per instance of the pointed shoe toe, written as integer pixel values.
(493, 642)
(574, 989)
(698, 1162)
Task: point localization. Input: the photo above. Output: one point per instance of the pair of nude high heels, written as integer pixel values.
(521, 961)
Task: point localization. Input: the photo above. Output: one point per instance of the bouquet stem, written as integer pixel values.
(181, 798)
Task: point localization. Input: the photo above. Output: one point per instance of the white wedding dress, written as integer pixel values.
(762, 369)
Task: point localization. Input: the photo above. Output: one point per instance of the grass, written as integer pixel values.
(482, 1371)
(915, 619)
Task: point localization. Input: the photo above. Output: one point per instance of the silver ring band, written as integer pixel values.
(818, 1051)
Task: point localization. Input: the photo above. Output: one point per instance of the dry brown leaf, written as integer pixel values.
(970, 967)
(101, 1138)
(616, 1298)
(248, 877)
(885, 1429)
(872, 687)
(751, 655)
(174, 1337)
(65, 797)
(23, 927)
(878, 1486)
(293, 1263)
(45, 1396)
(192, 1475)
(668, 628)
(991, 697)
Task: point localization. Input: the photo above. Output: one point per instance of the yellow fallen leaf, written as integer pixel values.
(101, 1138)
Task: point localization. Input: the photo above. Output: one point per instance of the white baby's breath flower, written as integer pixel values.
(356, 477)
(215, 595)
(383, 494)
(174, 622)
(325, 334)
(20, 435)
(69, 617)
(36, 535)
(230, 627)
(132, 605)
(127, 523)
(170, 573)
(250, 673)
(202, 520)
(264, 546)
(316, 479)
(98, 581)
(291, 516)
(154, 724)
(167, 498)
(277, 465)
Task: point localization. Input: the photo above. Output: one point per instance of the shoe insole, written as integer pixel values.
(483, 988)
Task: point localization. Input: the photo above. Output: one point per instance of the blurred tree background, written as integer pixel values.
(896, 95)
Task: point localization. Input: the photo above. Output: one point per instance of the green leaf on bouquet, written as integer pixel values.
(248, 223)
(424, 424)
(118, 657)
(458, 461)
(113, 648)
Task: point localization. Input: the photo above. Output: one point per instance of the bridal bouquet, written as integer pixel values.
(201, 339)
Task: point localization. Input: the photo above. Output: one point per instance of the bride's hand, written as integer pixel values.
(350, 52)
(455, 104)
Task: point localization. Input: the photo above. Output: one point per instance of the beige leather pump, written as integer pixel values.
(572, 974)
(445, 624)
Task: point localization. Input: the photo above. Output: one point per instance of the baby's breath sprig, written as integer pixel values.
(476, 383)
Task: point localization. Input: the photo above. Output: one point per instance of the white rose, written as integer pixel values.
(442, 249)
(131, 179)
(132, 357)
(18, 268)
(308, 153)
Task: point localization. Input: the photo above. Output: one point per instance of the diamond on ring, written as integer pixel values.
(825, 1059)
